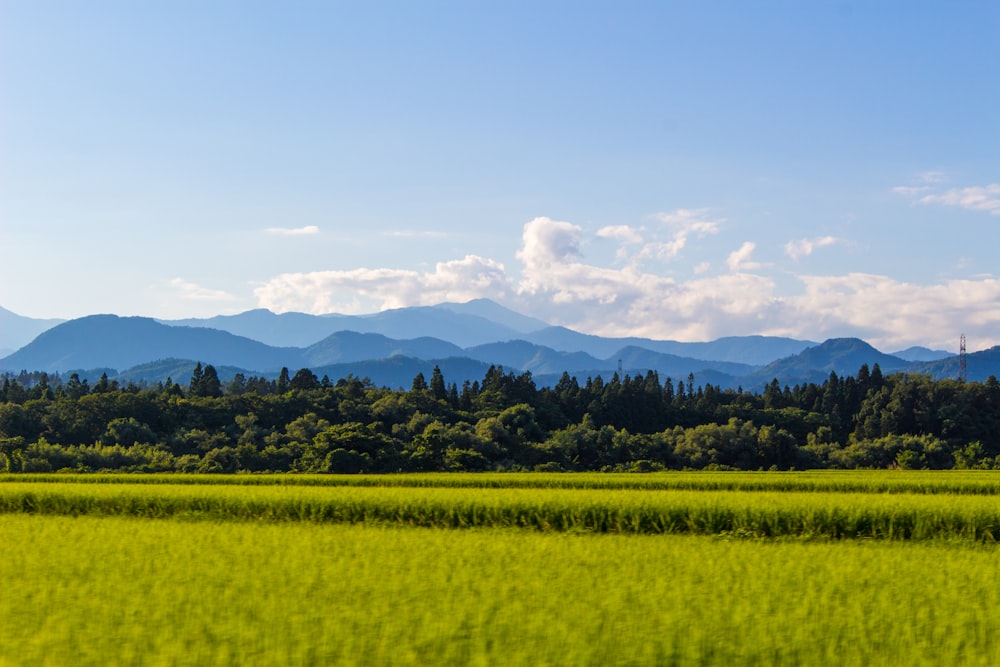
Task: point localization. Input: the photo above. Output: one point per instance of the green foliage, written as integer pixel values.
(507, 423)
(558, 502)
(113, 591)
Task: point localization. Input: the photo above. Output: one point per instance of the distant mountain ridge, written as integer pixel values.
(843, 356)
(464, 325)
(752, 350)
(979, 365)
(143, 348)
(16, 331)
(918, 353)
(124, 342)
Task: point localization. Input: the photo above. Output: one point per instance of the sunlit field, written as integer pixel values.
(558, 570)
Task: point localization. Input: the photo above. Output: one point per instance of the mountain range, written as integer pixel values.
(16, 331)
(391, 347)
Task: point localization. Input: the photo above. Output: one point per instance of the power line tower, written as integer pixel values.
(963, 370)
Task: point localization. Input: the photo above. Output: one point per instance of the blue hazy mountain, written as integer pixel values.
(351, 346)
(481, 322)
(494, 312)
(979, 366)
(16, 331)
(843, 356)
(461, 329)
(521, 354)
(671, 365)
(176, 370)
(398, 372)
(918, 353)
(278, 330)
(750, 350)
(150, 350)
(124, 342)
(541, 360)
(446, 322)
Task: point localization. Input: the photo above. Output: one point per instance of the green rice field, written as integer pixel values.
(867, 568)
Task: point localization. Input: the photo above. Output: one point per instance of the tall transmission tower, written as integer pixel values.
(963, 370)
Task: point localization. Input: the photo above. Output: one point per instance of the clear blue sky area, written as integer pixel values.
(680, 170)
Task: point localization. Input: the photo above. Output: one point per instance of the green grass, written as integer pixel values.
(951, 482)
(126, 591)
(759, 514)
(674, 569)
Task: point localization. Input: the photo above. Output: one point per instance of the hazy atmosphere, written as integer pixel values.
(671, 170)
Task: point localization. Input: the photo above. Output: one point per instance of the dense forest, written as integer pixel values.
(301, 423)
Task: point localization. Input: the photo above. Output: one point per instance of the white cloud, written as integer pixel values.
(890, 314)
(297, 231)
(557, 284)
(984, 198)
(354, 291)
(805, 247)
(194, 292)
(622, 233)
(663, 243)
(547, 241)
(690, 221)
(974, 198)
(739, 259)
(680, 225)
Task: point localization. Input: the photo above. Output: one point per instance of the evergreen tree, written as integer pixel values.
(437, 386)
(194, 385)
(210, 384)
(283, 381)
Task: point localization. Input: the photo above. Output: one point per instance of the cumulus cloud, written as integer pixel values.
(297, 231)
(354, 291)
(546, 242)
(549, 253)
(194, 292)
(557, 283)
(805, 247)
(891, 313)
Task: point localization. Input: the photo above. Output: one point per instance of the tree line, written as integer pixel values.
(302, 423)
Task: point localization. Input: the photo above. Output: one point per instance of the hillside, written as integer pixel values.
(979, 366)
(125, 342)
(748, 350)
(145, 349)
(351, 346)
(843, 356)
(16, 331)
(463, 325)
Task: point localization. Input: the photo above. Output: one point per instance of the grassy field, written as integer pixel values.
(289, 573)
(951, 482)
(771, 514)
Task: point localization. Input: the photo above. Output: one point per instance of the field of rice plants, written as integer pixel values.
(954, 482)
(659, 569)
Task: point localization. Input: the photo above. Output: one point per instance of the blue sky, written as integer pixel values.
(678, 170)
